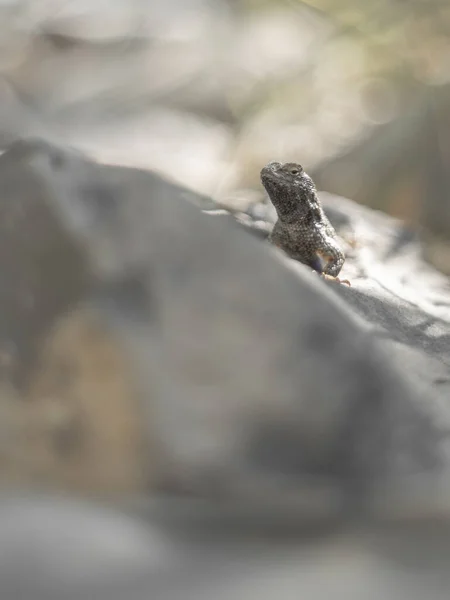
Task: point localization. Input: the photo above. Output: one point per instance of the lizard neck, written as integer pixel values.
(289, 215)
(287, 208)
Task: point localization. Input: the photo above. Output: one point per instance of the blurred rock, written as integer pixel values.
(56, 549)
(59, 550)
(147, 344)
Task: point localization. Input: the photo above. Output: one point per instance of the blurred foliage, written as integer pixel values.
(412, 36)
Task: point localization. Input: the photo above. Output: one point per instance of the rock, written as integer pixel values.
(404, 300)
(56, 549)
(166, 349)
(59, 549)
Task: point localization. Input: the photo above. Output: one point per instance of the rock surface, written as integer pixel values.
(173, 347)
(55, 549)
(148, 348)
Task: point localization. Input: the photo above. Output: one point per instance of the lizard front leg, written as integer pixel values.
(333, 258)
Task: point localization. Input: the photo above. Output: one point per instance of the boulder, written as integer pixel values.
(146, 345)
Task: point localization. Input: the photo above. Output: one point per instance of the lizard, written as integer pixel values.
(302, 229)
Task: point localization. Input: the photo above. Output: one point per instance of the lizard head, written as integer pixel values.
(290, 189)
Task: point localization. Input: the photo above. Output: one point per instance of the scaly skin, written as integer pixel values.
(302, 230)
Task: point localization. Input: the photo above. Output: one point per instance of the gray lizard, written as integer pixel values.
(302, 230)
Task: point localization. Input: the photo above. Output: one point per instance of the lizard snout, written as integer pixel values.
(273, 166)
(269, 171)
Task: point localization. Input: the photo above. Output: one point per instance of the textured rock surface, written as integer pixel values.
(396, 295)
(148, 347)
(231, 372)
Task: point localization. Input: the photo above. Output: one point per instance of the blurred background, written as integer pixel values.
(207, 91)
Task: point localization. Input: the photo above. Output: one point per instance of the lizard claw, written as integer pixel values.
(336, 279)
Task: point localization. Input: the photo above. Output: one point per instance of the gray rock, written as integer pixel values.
(59, 549)
(165, 349)
(252, 375)
(63, 549)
